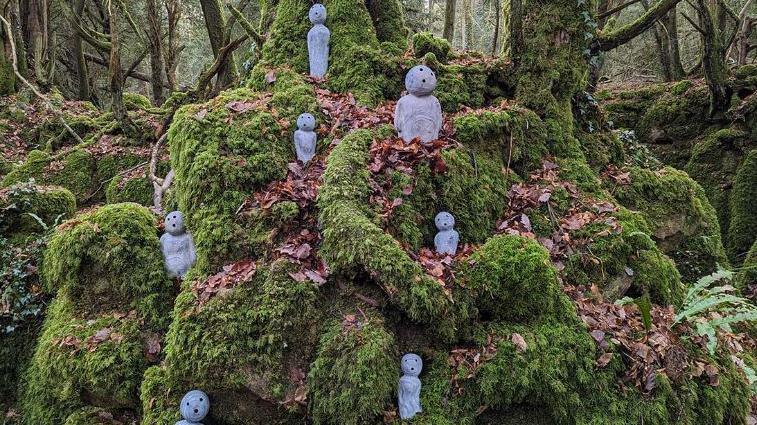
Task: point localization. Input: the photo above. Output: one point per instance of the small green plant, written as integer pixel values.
(711, 308)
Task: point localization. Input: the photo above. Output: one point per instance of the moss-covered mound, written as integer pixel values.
(29, 208)
(103, 328)
(683, 222)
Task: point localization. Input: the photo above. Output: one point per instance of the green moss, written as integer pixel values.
(747, 276)
(19, 204)
(714, 163)
(91, 352)
(389, 21)
(247, 339)
(742, 227)
(287, 44)
(512, 279)
(138, 190)
(219, 160)
(352, 241)
(7, 77)
(425, 42)
(109, 254)
(354, 374)
(625, 261)
(683, 222)
(292, 95)
(681, 87)
(516, 136)
(136, 101)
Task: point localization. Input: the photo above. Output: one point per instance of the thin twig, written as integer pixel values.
(21, 78)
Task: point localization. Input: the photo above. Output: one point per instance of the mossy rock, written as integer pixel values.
(23, 206)
(684, 224)
(92, 353)
(747, 276)
(247, 341)
(425, 42)
(354, 375)
(742, 226)
(219, 157)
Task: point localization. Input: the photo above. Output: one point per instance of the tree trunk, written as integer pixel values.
(36, 34)
(661, 41)
(155, 39)
(713, 60)
(80, 62)
(173, 10)
(14, 15)
(497, 20)
(449, 20)
(216, 26)
(116, 73)
(676, 66)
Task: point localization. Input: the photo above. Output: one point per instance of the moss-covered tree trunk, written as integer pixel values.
(215, 22)
(548, 44)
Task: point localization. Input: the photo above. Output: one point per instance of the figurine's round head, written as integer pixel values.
(317, 14)
(412, 364)
(444, 221)
(175, 223)
(306, 122)
(420, 80)
(195, 406)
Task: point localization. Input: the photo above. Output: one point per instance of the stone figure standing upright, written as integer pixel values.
(177, 246)
(419, 113)
(318, 41)
(409, 390)
(305, 138)
(195, 405)
(447, 238)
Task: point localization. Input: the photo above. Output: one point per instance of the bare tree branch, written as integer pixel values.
(628, 32)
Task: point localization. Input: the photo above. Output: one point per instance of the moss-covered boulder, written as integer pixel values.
(29, 208)
(742, 224)
(103, 328)
(683, 222)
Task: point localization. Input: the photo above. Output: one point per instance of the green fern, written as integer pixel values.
(702, 299)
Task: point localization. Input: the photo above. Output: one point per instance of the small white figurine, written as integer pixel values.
(318, 41)
(409, 390)
(305, 138)
(419, 113)
(177, 246)
(447, 238)
(194, 407)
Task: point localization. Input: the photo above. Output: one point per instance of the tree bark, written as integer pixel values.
(449, 19)
(173, 10)
(80, 62)
(671, 24)
(116, 73)
(216, 26)
(155, 39)
(16, 23)
(497, 20)
(36, 34)
(663, 48)
(713, 60)
(628, 32)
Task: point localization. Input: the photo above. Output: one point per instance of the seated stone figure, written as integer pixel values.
(194, 407)
(447, 239)
(419, 113)
(305, 138)
(409, 390)
(177, 246)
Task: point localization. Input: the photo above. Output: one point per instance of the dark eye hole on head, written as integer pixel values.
(196, 410)
(187, 403)
(424, 80)
(201, 399)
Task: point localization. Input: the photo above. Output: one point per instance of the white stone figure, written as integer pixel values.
(194, 407)
(177, 246)
(318, 41)
(419, 113)
(447, 239)
(305, 138)
(409, 390)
